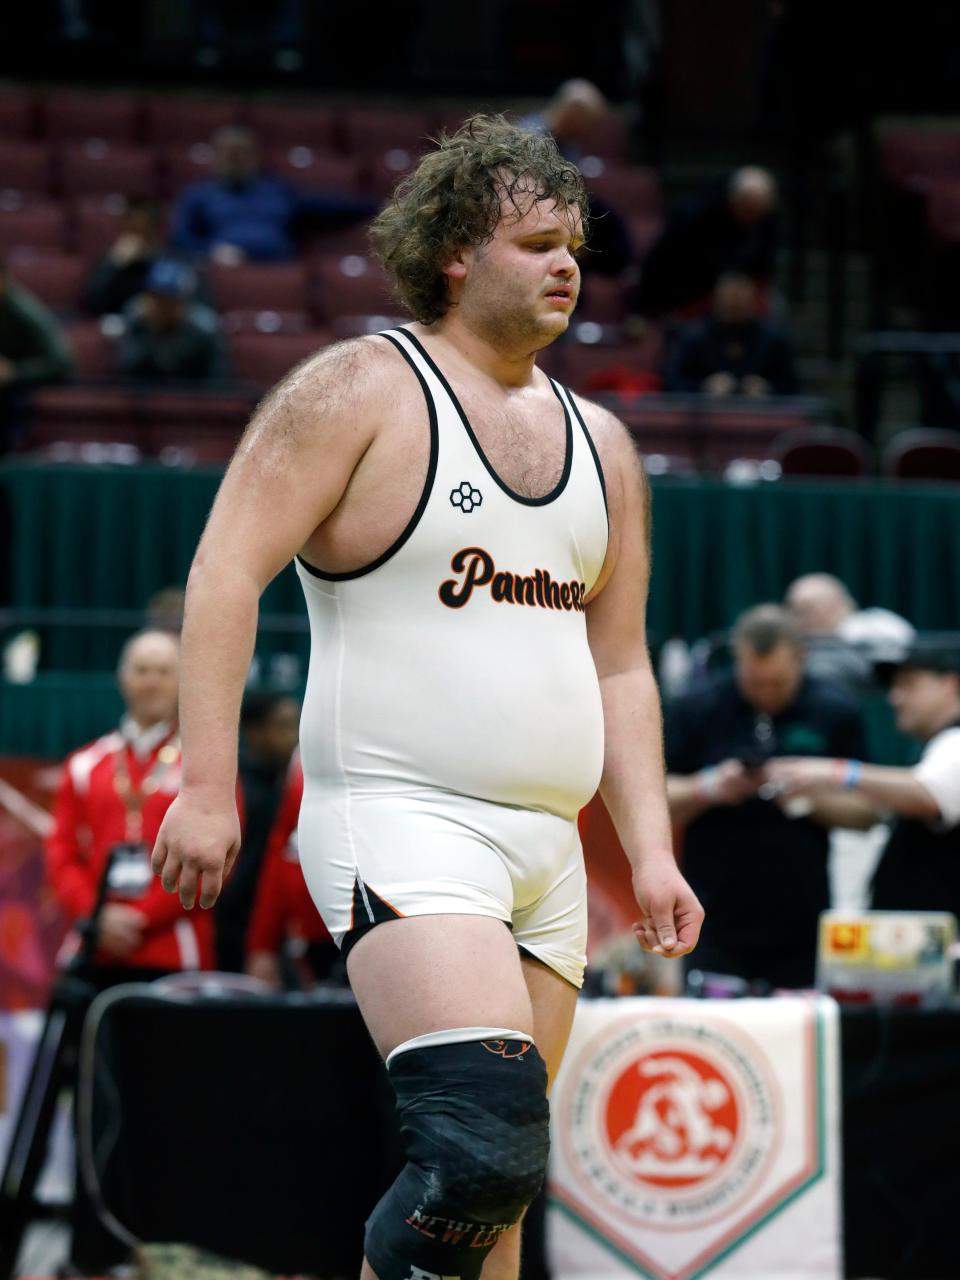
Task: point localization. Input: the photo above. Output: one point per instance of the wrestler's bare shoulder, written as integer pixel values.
(337, 395)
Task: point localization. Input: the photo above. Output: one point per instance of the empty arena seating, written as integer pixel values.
(180, 121)
(78, 116)
(95, 167)
(285, 127)
(40, 225)
(54, 277)
(24, 168)
(823, 451)
(259, 286)
(265, 358)
(923, 455)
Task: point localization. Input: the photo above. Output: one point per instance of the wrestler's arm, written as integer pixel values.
(288, 474)
(632, 785)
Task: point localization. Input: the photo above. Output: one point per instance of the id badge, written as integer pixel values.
(130, 871)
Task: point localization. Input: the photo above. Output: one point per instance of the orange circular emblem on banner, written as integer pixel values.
(671, 1119)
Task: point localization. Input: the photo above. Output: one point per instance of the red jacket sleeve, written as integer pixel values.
(68, 871)
(269, 917)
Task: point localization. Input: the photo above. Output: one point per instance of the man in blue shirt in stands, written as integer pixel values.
(245, 214)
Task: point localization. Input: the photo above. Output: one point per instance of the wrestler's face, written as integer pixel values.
(518, 290)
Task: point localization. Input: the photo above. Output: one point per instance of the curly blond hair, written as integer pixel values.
(453, 198)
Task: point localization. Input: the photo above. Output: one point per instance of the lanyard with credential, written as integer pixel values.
(133, 797)
(130, 873)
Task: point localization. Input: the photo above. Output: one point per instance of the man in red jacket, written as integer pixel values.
(113, 795)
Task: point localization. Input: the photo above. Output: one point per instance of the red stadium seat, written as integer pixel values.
(18, 110)
(32, 226)
(97, 168)
(264, 359)
(285, 127)
(259, 287)
(24, 168)
(923, 454)
(370, 131)
(95, 354)
(180, 121)
(822, 451)
(71, 117)
(57, 279)
(632, 190)
(315, 169)
(351, 285)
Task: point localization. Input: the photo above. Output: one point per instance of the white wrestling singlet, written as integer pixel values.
(452, 727)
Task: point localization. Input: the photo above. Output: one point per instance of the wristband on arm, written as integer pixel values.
(849, 773)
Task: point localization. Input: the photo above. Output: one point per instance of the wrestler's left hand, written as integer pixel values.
(670, 914)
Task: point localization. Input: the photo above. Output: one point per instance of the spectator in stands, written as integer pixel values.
(758, 867)
(269, 728)
(33, 351)
(919, 868)
(169, 337)
(571, 115)
(287, 942)
(245, 214)
(111, 799)
(122, 272)
(165, 609)
(733, 351)
(843, 641)
(733, 228)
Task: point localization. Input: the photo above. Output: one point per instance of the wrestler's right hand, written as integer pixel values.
(196, 847)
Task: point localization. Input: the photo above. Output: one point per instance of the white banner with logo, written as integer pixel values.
(697, 1138)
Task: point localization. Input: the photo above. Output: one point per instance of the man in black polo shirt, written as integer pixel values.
(757, 862)
(919, 869)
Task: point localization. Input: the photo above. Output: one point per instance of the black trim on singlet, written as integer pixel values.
(593, 450)
(367, 911)
(517, 497)
(424, 496)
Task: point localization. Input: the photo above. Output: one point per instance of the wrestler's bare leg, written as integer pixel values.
(554, 1002)
(429, 973)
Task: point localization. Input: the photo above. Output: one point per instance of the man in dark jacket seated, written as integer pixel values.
(732, 351)
(733, 227)
(245, 214)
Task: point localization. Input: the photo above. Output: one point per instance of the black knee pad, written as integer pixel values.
(475, 1123)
